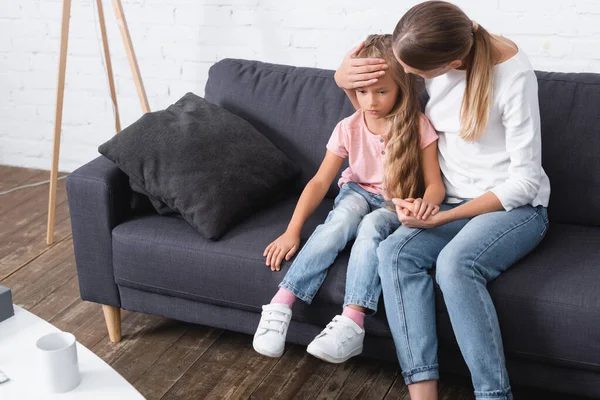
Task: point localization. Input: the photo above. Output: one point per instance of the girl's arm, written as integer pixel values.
(315, 192)
(358, 72)
(435, 192)
(286, 245)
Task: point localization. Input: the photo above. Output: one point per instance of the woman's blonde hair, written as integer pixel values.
(435, 33)
(403, 176)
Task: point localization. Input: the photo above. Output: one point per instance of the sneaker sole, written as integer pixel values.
(326, 357)
(266, 352)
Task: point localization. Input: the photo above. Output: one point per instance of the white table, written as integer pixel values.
(18, 336)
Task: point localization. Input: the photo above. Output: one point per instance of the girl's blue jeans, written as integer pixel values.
(357, 214)
(468, 254)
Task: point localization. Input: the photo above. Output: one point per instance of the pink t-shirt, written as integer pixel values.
(366, 150)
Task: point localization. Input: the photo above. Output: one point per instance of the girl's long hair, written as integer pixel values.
(403, 176)
(435, 33)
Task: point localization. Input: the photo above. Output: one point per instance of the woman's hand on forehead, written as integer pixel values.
(359, 72)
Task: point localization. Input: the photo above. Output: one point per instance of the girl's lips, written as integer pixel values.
(372, 112)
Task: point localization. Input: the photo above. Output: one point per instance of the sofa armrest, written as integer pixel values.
(99, 199)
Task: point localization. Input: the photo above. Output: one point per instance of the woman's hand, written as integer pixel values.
(359, 72)
(408, 211)
(284, 246)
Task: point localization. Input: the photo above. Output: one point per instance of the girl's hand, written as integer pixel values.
(284, 246)
(431, 222)
(411, 211)
(411, 221)
(422, 209)
(359, 72)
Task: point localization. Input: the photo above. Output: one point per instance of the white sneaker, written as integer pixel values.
(341, 340)
(269, 339)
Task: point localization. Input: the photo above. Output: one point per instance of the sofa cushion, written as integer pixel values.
(203, 162)
(547, 303)
(162, 254)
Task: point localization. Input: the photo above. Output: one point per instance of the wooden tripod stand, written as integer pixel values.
(64, 39)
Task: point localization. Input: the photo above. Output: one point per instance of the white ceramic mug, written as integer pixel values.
(58, 366)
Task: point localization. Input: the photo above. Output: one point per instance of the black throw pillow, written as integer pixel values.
(202, 161)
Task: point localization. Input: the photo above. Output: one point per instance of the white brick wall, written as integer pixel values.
(176, 41)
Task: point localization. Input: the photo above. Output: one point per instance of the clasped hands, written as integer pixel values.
(419, 213)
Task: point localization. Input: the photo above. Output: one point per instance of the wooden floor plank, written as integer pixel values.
(21, 246)
(14, 202)
(211, 373)
(11, 177)
(153, 343)
(43, 275)
(398, 390)
(369, 380)
(335, 380)
(174, 363)
(17, 209)
(132, 329)
(85, 320)
(244, 377)
(58, 301)
(294, 369)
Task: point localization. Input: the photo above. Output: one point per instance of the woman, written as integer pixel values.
(484, 105)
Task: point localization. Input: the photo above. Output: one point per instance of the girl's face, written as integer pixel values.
(378, 99)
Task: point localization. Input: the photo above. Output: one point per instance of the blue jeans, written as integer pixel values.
(468, 254)
(357, 214)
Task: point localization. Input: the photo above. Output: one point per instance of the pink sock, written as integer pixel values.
(284, 296)
(355, 315)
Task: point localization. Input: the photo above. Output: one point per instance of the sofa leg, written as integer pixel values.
(112, 316)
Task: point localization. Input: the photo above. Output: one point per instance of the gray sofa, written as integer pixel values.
(548, 304)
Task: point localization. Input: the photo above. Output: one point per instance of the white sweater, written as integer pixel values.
(507, 160)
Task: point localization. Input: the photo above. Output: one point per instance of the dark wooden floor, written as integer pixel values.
(166, 359)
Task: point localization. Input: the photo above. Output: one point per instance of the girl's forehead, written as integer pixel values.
(387, 79)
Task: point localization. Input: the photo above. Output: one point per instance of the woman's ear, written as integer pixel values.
(455, 64)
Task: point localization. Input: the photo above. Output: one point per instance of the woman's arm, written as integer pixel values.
(351, 93)
(358, 72)
(487, 202)
(520, 109)
(285, 246)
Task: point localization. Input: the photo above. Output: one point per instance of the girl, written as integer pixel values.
(484, 104)
(388, 124)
